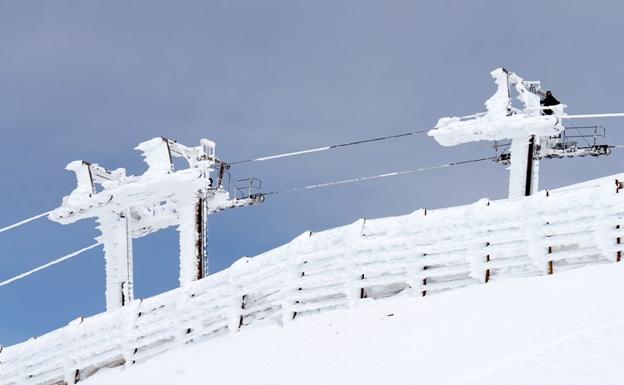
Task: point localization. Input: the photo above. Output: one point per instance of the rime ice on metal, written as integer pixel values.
(526, 128)
(128, 207)
(502, 120)
(419, 254)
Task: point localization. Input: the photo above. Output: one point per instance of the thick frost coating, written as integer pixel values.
(558, 330)
(454, 131)
(187, 228)
(117, 240)
(498, 122)
(502, 121)
(157, 155)
(419, 254)
(518, 167)
(128, 207)
(499, 104)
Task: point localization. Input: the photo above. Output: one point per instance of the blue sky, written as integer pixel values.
(90, 80)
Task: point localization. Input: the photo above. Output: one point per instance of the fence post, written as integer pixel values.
(294, 269)
(487, 259)
(235, 289)
(425, 267)
(362, 293)
(476, 247)
(618, 187)
(424, 280)
(129, 332)
(70, 364)
(551, 269)
(184, 314)
(487, 256)
(242, 316)
(536, 233)
(352, 277)
(618, 241)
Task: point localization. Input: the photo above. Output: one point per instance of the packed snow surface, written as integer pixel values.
(566, 328)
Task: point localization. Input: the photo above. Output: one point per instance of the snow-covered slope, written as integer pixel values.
(422, 253)
(561, 329)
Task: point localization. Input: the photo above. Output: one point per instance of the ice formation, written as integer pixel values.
(503, 121)
(419, 254)
(498, 122)
(128, 207)
(558, 330)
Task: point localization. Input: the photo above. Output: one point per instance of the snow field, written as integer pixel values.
(562, 329)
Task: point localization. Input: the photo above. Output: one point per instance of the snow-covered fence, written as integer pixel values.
(424, 253)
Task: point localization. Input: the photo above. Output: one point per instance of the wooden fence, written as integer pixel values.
(424, 253)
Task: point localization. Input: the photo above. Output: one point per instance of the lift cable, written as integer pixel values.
(325, 148)
(590, 116)
(277, 192)
(309, 187)
(49, 264)
(319, 149)
(382, 138)
(23, 222)
(364, 178)
(38, 216)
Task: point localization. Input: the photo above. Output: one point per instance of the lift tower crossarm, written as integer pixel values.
(535, 130)
(502, 121)
(129, 207)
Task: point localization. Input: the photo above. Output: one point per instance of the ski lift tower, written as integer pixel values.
(129, 207)
(535, 131)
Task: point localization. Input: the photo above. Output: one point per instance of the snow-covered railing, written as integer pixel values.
(425, 252)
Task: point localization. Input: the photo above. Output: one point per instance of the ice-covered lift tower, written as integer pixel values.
(527, 128)
(128, 207)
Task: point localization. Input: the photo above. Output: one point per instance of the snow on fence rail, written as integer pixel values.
(425, 252)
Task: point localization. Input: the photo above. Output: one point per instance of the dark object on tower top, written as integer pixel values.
(549, 100)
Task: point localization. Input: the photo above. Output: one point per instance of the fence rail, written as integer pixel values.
(425, 252)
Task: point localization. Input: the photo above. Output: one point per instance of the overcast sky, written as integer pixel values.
(91, 79)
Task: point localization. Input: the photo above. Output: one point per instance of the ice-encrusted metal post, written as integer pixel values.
(527, 128)
(128, 207)
(523, 172)
(193, 257)
(117, 240)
